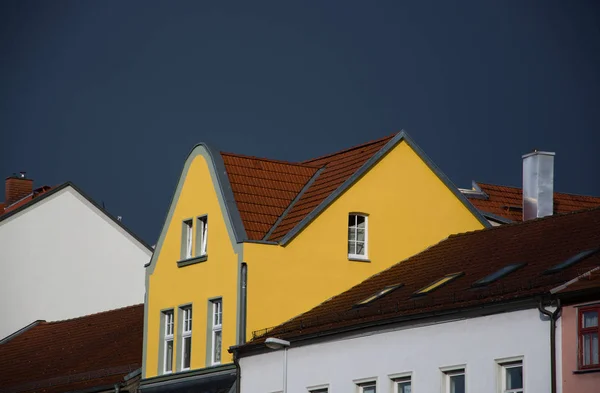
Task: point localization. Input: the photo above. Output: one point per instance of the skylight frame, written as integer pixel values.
(437, 284)
(498, 274)
(377, 295)
(580, 256)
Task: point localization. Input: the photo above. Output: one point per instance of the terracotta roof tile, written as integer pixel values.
(23, 201)
(263, 189)
(507, 202)
(540, 243)
(94, 350)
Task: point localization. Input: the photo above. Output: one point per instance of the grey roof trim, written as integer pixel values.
(20, 331)
(261, 242)
(293, 202)
(225, 190)
(206, 372)
(401, 136)
(496, 217)
(83, 194)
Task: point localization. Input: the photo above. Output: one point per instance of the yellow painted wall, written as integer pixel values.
(170, 286)
(409, 209)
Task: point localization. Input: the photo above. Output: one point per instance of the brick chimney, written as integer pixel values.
(16, 187)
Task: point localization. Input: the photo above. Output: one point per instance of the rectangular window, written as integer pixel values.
(403, 385)
(168, 341)
(217, 328)
(454, 381)
(201, 235)
(589, 331)
(357, 236)
(511, 377)
(320, 390)
(367, 387)
(186, 338)
(186, 239)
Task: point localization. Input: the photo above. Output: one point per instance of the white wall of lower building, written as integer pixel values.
(477, 343)
(63, 258)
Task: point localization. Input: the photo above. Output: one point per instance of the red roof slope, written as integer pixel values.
(95, 350)
(36, 193)
(540, 243)
(264, 188)
(507, 202)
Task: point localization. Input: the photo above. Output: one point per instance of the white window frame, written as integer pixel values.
(318, 389)
(188, 238)
(169, 336)
(354, 227)
(217, 327)
(503, 364)
(401, 378)
(366, 383)
(186, 331)
(202, 230)
(449, 372)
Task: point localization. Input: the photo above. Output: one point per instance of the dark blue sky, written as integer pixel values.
(113, 95)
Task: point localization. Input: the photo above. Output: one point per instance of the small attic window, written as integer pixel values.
(436, 284)
(498, 274)
(378, 295)
(571, 261)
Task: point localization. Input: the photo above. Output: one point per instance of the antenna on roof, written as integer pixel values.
(119, 218)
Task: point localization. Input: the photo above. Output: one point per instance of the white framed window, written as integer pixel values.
(511, 377)
(455, 381)
(169, 325)
(186, 337)
(367, 387)
(403, 385)
(357, 236)
(318, 390)
(201, 236)
(187, 237)
(217, 329)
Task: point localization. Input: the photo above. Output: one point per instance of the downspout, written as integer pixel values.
(553, 317)
(243, 305)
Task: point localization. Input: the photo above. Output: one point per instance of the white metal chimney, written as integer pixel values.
(538, 184)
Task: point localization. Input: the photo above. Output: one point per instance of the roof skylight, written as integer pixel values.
(498, 274)
(571, 261)
(378, 295)
(436, 284)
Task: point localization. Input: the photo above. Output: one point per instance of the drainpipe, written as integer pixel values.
(243, 303)
(553, 317)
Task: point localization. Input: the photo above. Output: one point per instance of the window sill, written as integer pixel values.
(357, 258)
(192, 261)
(587, 371)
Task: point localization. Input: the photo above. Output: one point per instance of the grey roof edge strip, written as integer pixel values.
(402, 135)
(20, 331)
(293, 202)
(224, 187)
(261, 242)
(496, 217)
(573, 281)
(87, 197)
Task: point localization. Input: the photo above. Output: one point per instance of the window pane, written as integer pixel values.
(187, 352)
(590, 319)
(514, 377)
(217, 347)
(360, 235)
(351, 247)
(351, 234)
(590, 349)
(457, 384)
(360, 221)
(404, 387)
(351, 220)
(169, 356)
(360, 248)
(369, 389)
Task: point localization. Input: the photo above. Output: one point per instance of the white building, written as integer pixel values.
(63, 256)
(474, 313)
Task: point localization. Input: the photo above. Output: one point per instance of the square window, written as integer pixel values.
(357, 236)
(589, 332)
(511, 377)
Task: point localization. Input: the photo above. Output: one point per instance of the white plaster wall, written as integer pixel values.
(63, 258)
(476, 342)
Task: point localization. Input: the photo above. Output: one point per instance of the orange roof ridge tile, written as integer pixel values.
(372, 142)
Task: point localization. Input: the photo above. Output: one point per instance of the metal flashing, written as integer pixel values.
(495, 217)
(293, 202)
(399, 137)
(192, 261)
(20, 331)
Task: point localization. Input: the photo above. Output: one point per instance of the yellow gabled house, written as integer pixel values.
(250, 242)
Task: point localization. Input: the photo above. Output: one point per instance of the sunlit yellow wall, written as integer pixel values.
(170, 286)
(409, 209)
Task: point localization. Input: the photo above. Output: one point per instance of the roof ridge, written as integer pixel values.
(92, 314)
(269, 160)
(521, 188)
(372, 142)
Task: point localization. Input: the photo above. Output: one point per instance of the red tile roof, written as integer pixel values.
(23, 201)
(95, 350)
(264, 188)
(507, 202)
(540, 243)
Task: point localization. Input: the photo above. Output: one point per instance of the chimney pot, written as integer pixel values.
(538, 184)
